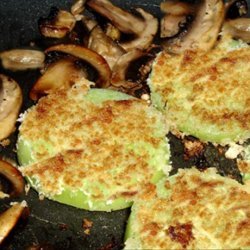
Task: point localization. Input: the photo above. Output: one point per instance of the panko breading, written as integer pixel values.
(205, 95)
(93, 150)
(191, 210)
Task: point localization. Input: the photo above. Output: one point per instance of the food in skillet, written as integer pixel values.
(11, 185)
(66, 157)
(205, 95)
(191, 210)
(244, 164)
(93, 149)
(10, 103)
(10, 217)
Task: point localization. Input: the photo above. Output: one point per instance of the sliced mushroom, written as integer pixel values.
(22, 59)
(176, 8)
(1, 92)
(171, 25)
(118, 78)
(94, 59)
(203, 32)
(10, 104)
(9, 218)
(112, 32)
(236, 8)
(78, 7)
(238, 28)
(177, 17)
(60, 74)
(57, 24)
(144, 28)
(89, 23)
(143, 39)
(105, 46)
(13, 175)
(123, 20)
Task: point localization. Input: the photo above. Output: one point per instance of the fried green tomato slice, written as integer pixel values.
(205, 95)
(191, 210)
(92, 149)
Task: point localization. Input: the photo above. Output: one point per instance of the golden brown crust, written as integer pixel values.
(116, 145)
(199, 211)
(212, 89)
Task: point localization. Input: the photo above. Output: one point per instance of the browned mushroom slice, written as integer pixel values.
(60, 74)
(171, 25)
(10, 104)
(123, 20)
(118, 78)
(203, 32)
(78, 7)
(144, 28)
(22, 59)
(236, 8)
(177, 16)
(143, 39)
(176, 8)
(112, 32)
(12, 174)
(238, 28)
(9, 218)
(90, 56)
(89, 23)
(105, 46)
(57, 24)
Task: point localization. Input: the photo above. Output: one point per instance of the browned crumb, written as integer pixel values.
(86, 225)
(221, 150)
(5, 142)
(192, 148)
(63, 226)
(243, 166)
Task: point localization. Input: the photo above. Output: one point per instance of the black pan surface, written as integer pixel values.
(51, 225)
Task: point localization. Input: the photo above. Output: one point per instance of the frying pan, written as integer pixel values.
(51, 225)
